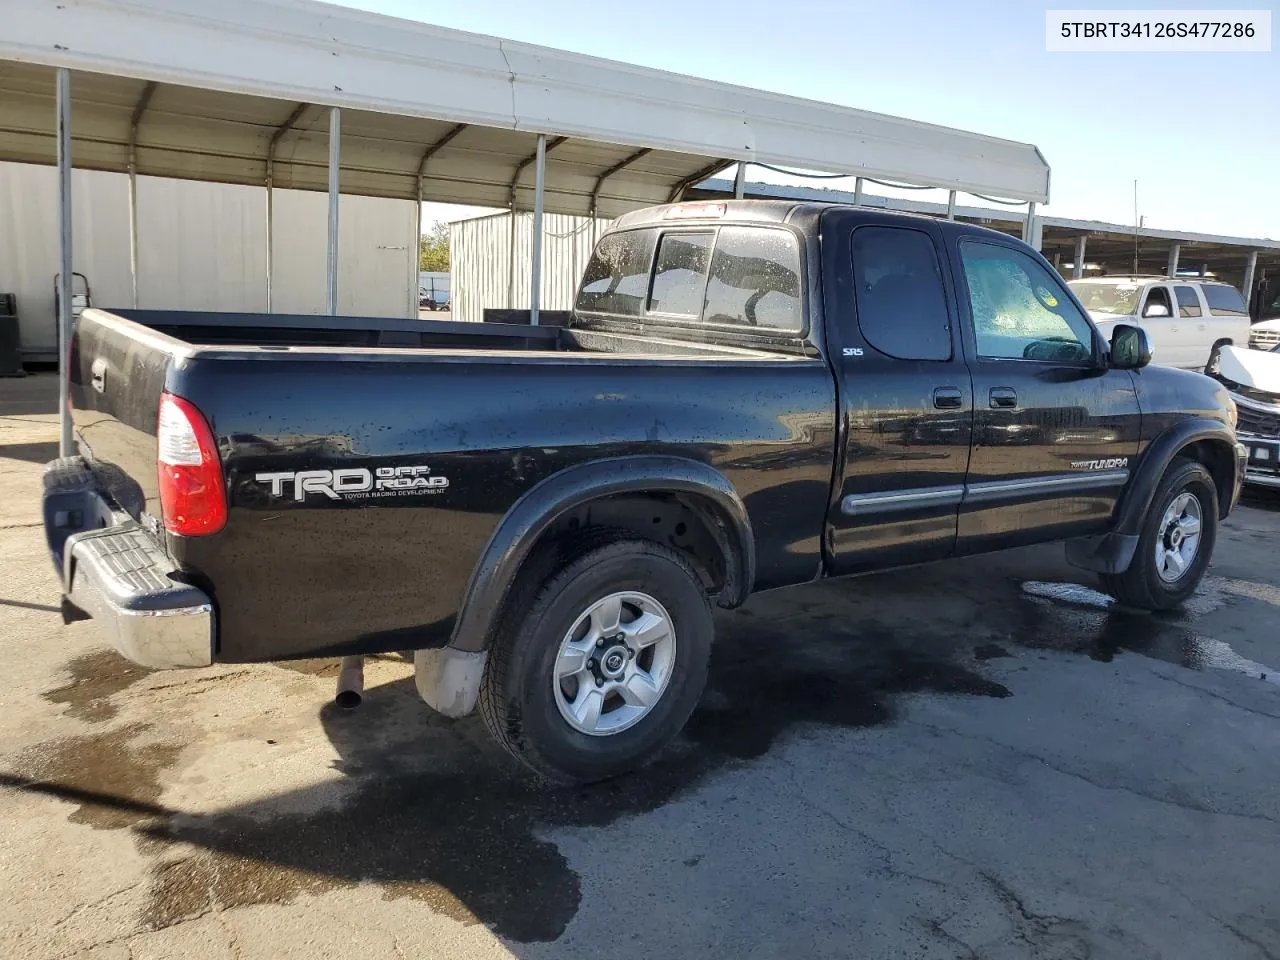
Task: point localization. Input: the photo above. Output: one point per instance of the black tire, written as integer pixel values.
(517, 698)
(1141, 586)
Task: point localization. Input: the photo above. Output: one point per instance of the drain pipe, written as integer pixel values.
(350, 683)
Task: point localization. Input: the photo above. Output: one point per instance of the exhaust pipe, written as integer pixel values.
(350, 683)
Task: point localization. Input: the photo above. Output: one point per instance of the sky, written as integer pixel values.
(1200, 132)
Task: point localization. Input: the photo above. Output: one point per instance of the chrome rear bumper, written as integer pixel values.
(120, 576)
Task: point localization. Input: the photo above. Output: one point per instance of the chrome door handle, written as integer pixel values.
(1003, 397)
(948, 398)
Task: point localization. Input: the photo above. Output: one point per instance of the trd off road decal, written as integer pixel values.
(355, 483)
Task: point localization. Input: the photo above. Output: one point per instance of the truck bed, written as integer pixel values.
(287, 331)
(492, 410)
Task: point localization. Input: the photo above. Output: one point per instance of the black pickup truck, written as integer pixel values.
(746, 395)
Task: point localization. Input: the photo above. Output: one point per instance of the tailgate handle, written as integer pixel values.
(98, 375)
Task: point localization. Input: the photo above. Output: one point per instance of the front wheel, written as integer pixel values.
(604, 668)
(1177, 541)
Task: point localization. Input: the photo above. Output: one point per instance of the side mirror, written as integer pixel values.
(1155, 310)
(1130, 347)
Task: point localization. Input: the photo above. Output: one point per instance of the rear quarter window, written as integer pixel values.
(1224, 301)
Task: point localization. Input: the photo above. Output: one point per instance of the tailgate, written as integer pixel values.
(118, 371)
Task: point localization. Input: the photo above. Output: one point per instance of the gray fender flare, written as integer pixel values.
(449, 678)
(1113, 552)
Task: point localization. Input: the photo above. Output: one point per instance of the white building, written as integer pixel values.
(483, 274)
(201, 246)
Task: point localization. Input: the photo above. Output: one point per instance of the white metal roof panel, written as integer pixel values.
(230, 73)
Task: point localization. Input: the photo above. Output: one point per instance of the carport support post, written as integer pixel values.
(511, 260)
(740, 181)
(535, 269)
(1077, 268)
(270, 230)
(1250, 268)
(857, 191)
(335, 160)
(415, 254)
(133, 224)
(1175, 252)
(143, 102)
(1028, 228)
(951, 205)
(66, 445)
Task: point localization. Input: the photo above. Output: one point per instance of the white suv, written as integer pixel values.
(1187, 321)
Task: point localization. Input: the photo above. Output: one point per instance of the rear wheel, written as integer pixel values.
(1176, 543)
(606, 665)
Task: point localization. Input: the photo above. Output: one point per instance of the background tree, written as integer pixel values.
(433, 250)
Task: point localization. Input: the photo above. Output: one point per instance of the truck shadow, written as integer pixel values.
(29, 452)
(436, 813)
(1261, 498)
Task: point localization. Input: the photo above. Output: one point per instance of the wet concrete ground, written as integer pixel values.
(965, 760)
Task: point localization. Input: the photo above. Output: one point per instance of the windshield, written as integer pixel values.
(1119, 298)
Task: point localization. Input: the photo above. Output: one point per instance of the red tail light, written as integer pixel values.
(193, 497)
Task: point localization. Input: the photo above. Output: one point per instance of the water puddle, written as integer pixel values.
(96, 678)
(461, 834)
(1074, 618)
(440, 815)
(114, 778)
(1068, 593)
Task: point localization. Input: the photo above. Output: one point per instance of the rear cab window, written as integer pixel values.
(723, 277)
(616, 280)
(755, 280)
(680, 274)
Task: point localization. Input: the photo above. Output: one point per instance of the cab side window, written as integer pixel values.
(1020, 311)
(1188, 302)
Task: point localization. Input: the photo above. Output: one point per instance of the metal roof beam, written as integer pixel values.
(520, 167)
(620, 165)
(144, 101)
(436, 147)
(280, 131)
(708, 171)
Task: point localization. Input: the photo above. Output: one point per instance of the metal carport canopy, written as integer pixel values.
(212, 91)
